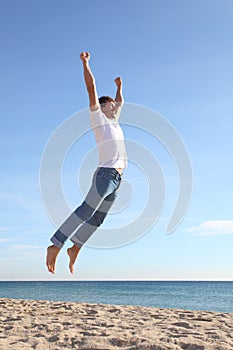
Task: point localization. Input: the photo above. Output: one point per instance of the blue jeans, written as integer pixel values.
(83, 222)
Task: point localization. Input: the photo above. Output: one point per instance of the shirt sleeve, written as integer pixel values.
(96, 118)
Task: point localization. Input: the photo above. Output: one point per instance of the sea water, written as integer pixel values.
(193, 295)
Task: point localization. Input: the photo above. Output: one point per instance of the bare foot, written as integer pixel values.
(52, 253)
(73, 253)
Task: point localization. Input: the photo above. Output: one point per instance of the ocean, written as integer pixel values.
(193, 295)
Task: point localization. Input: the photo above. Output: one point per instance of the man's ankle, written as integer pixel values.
(53, 246)
(75, 248)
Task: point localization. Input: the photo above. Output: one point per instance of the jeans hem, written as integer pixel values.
(57, 243)
(77, 243)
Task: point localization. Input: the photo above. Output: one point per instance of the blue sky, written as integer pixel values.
(175, 57)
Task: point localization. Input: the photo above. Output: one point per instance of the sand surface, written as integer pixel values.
(45, 325)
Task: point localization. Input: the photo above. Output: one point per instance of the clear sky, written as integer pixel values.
(175, 57)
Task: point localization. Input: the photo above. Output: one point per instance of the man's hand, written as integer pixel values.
(85, 56)
(118, 82)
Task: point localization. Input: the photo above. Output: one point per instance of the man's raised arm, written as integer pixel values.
(119, 96)
(90, 82)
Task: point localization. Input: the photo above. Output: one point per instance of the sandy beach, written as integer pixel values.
(46, 325)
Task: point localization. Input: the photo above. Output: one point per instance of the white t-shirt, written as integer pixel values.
(110, 140)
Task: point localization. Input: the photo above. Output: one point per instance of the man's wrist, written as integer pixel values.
(86, 63)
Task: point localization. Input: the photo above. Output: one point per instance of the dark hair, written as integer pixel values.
(104, 99)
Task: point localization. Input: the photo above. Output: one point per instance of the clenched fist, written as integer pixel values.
(85, 56)
(118, 82)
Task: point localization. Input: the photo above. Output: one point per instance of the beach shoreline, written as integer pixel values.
(53, 325)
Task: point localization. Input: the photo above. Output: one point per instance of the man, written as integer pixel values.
(82, 223)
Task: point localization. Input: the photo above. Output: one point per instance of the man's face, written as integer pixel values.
(109, 109)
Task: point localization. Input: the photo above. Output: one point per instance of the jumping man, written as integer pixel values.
(83, 222)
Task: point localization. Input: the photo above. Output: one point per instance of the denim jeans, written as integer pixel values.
(83, 222)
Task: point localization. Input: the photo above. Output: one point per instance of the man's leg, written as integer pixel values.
(84, 232)
(81, 214)
(65, 230)
(103, 184)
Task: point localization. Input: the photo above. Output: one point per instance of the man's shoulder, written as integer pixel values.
(97, 117)
(97, 113)
(95, 107)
